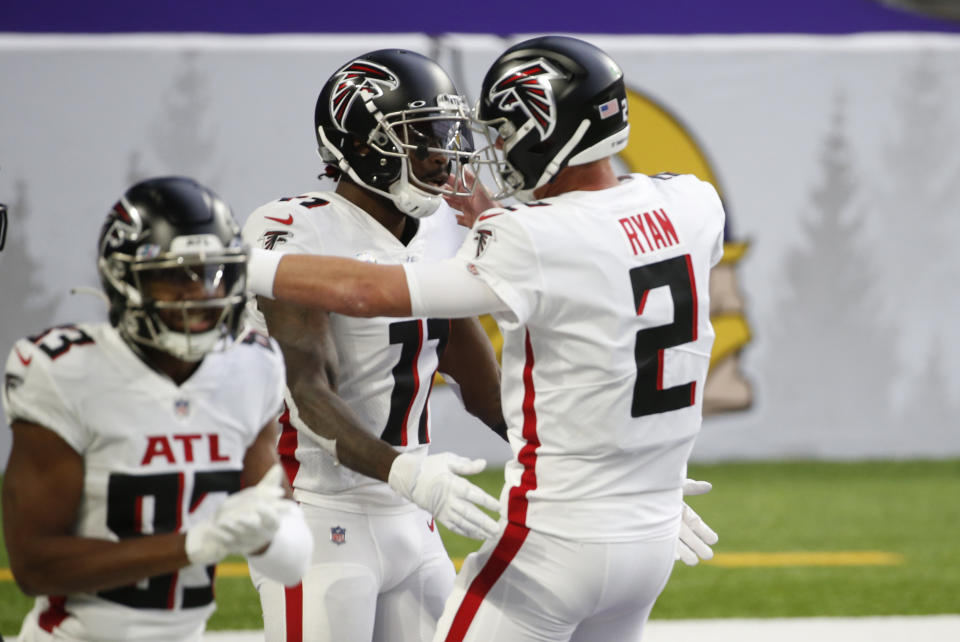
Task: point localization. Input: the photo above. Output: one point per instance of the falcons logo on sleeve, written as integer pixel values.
(272, 238)
(483, 236)
(527, 86)
(358, 76)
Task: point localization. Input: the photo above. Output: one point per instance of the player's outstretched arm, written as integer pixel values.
(441, 289)
(336, 284)
(312, 366)
(303, 333)
(42, 491)
(696, 537)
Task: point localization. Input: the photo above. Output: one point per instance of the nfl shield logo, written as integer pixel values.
(338, 535)
(181, 407)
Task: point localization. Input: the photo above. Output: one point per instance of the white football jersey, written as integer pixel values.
(386, 365)
(606, 350)
(157, 458)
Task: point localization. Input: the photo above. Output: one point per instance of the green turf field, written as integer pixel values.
(851, 513)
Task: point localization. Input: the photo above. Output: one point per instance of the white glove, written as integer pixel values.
(695, 536)
(290, 553)
(245, 522)
(433, 483)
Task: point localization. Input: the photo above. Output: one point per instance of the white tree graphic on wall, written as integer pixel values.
(831, 358)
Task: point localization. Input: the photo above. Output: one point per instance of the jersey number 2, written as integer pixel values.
(649, 395)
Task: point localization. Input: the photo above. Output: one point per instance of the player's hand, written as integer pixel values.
(470, 207)
(244, 523)
(434, 484)
(696, 537)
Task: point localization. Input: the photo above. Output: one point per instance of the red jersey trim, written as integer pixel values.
(287, 445)
(55, 614)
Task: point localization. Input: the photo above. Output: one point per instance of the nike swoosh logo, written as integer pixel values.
(486, 216)
(430, 524)
(282, 221)
(25, 362)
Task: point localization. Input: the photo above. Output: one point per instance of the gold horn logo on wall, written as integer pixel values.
(659, 142)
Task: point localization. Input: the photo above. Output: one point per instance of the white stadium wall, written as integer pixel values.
(836, 156)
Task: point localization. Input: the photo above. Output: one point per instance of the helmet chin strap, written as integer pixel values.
(554, 165)
(412, 200)
(607, 147)
(612, 144)
(524, 195)
(192, 347)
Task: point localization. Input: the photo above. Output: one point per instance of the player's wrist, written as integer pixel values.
(201, 544)
(262, 270)
(404, 472)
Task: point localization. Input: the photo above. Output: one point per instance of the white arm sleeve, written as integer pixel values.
(261, 271)
(290, 552)
(447, 290)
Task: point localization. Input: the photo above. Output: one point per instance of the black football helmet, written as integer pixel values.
(174, 234)
(383, 109)
(555, 101)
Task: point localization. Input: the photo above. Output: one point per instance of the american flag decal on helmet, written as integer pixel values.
(527, 86)
(358, 76)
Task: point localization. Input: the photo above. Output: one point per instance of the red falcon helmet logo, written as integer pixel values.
(127, 224)
(527, 86)
(358, 76)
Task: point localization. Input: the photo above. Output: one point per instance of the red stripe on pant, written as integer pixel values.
(501, 556)
(293, 605)
(516, 531)
(292, 596)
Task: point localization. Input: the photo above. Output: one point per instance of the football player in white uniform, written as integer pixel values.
(600, 288)
(392, 125)
(132, 439)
